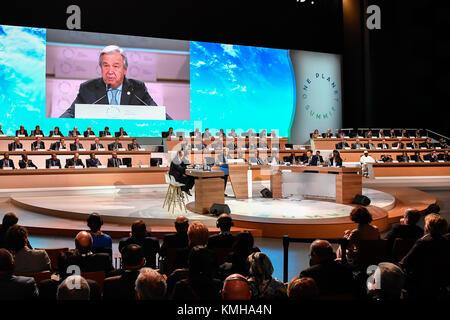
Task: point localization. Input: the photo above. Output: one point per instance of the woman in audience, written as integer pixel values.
(200, 283)
(316, 134)
(9, 219)
(364, 231)
(335, 159)
(26, 260)
(99, 239)
(235, 262)
(262, 284)
(302, 289)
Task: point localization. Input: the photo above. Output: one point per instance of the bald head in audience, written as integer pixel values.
(83, 242)
(236, 287)
(320, 251)
(150, 285)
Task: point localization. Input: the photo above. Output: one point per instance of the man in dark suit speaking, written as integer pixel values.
(113, 87)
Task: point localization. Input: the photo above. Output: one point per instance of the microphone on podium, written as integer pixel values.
(132, 91)
(108, 87)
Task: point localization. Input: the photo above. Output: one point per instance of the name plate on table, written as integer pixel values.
(101, 149)
(39, 135)
(347, 148)
(79, 167)
(438, 147)
(82, 149)
(92, 136)
(333, 137)
(395, 148)
(441, 161)
(287, 148)
(101, 167)
(424, 137)
(125, 112)
(378, 148)
(123, 166)
(243, 148)
(56, 136)
(412, 161)
(395, 161)
(54, 167)
(426, 160)
(319, 137)
(408, 148)
(31, 168)
(347, 137)
(143, 166)
(194, 149)
(63, 149)
(7, 168)
(141, 149)
(423, 147)
(2, 135)
(19, 149)
(21, 135)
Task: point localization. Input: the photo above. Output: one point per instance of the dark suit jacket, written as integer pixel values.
(117, 134)
(403, 231)
(384, 146)
(87, 263)
(73, 146)
(357, 145)
(131, 147)
(52, 133)
(95, 89)
(399, 145)
(34, 132)
(313, 162)
(369, 146)
(12, 146)
(121, 287)
(176, 240)
(25, 133)
(150, 246)
(427, 145)
(57, 145)
(70, 134)
(342, 145)
(113, 146)
(71, 163)
(92, 163)
(94, 146)
(401, 158)
(86, 133)
(412, 145)
(48, 163)
(2, 163)
(331, 278)
(34, 145)
(111, 163)
(23, 164)
(103, 134)
(416, 158)
(221, 240)
(177, 169)
(17, 288)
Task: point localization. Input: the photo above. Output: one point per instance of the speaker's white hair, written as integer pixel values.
(110, 50)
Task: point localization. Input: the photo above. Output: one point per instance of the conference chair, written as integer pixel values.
(287, 159)
(127, 162)
(53, 255)
(154, 162)
(174, 194)
(401, 248)
(38, 276)
(97, 276)
(371, 252)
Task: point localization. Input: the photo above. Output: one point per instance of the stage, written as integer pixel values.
(64, 210)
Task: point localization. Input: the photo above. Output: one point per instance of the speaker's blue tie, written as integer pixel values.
(114, 99)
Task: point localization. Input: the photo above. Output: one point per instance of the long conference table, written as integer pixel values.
(176, 143)
(330, 143)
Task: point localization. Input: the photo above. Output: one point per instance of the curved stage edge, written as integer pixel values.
(67, 223)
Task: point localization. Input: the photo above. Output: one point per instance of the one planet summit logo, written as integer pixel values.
(320, 96)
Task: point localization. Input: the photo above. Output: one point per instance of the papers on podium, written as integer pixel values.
(125, 112)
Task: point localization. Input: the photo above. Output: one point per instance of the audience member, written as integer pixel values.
(200, 283)
(198, 234)
(26, 259)
(386, 283)
(150, 285)
(26, 163)
(9, 219)
(122, 287)
(224, 239)
(74, 287)
(141, 237)
(262, 284)
(427, 264)
(99, 239)
(236, 287)
(14, 287)
(302, 289)
(335, 159)
(178, 239)
(331, 277)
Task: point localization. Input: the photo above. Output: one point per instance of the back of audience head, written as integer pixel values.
(224, 222)
(435, 225)
(74, 287)
(302, 289)
(244, 243)
(361, 215)
(6, 262)
(16, 238)
(236, 287)
(181, 224)
(320, 251)
(94, 222)
(9, 219)
(83, 242)
(139, 229)
(411, 217)
(259, 266)
(202, 263)
(387, 282)
(197, 234)
(132, 257)
(150, 285)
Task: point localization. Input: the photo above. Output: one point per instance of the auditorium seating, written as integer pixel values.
(38, 276)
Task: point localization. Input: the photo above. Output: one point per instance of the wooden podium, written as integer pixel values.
(239, 179)
(208, 190)
(348, 181)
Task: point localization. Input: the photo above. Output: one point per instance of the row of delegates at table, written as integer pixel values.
(433, 156)
(381, 133)
(75, 146)
(22, 132)
(221, 133)
(310, 159)
(428, 144)
(54, 162)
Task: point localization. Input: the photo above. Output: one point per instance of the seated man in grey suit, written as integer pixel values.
(369, 145)
(121, 133)
(14, 287)
(26, 163)
(52, 162)
(15, 145)
(413, 144)
(6, 162)
(36, 132)
(357, 144)
(58, 145)
(76, 145)
(115, 145)
(399, 144)
(74, 132)
(93, 162)
(38, 144)
(89, 132)
(114, 161)
(22, 132)
(105, 133)
(113, 88)
(383, 145)
(75, 161)
(133, 145)
(96, 145)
